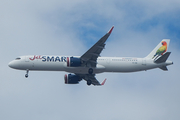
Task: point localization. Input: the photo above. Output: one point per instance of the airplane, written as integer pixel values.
(85, 67)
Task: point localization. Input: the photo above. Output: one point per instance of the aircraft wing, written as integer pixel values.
(90, 57)
(92, 78)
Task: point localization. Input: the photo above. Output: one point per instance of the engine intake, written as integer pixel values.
(73, 62)
(71, 79)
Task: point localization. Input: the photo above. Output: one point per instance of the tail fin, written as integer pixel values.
(159, 50)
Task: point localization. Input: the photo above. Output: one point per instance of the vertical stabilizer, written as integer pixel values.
(159, 50)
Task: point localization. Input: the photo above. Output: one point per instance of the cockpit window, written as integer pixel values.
(18, 58)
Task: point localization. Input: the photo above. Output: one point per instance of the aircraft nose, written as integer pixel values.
(11, 64)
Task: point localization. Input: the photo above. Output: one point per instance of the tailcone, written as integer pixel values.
(168, 62)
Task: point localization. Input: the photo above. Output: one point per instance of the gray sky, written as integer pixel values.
(56, 27)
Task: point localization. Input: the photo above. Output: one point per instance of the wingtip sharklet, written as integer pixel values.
(110, 30)
(103, 82)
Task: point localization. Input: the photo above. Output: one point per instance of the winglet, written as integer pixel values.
(103, 82)
(110, 30)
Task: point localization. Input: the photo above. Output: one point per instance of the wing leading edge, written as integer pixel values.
(90, 57)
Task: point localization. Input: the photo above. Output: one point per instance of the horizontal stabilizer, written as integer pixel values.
(163, 68)
(163, 58)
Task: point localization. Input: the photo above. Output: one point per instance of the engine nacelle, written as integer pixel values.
(73, 62)
(71, 79)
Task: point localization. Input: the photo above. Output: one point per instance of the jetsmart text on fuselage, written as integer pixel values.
(49, 58)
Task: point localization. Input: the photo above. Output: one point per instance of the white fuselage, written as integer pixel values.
(104, 64)
(86, 66)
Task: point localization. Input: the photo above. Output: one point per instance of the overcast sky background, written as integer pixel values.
(70, 27)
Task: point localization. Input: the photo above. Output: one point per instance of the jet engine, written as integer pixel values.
(71, 79)
(73, 62)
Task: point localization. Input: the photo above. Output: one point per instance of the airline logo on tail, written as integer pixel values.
(161, 50)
